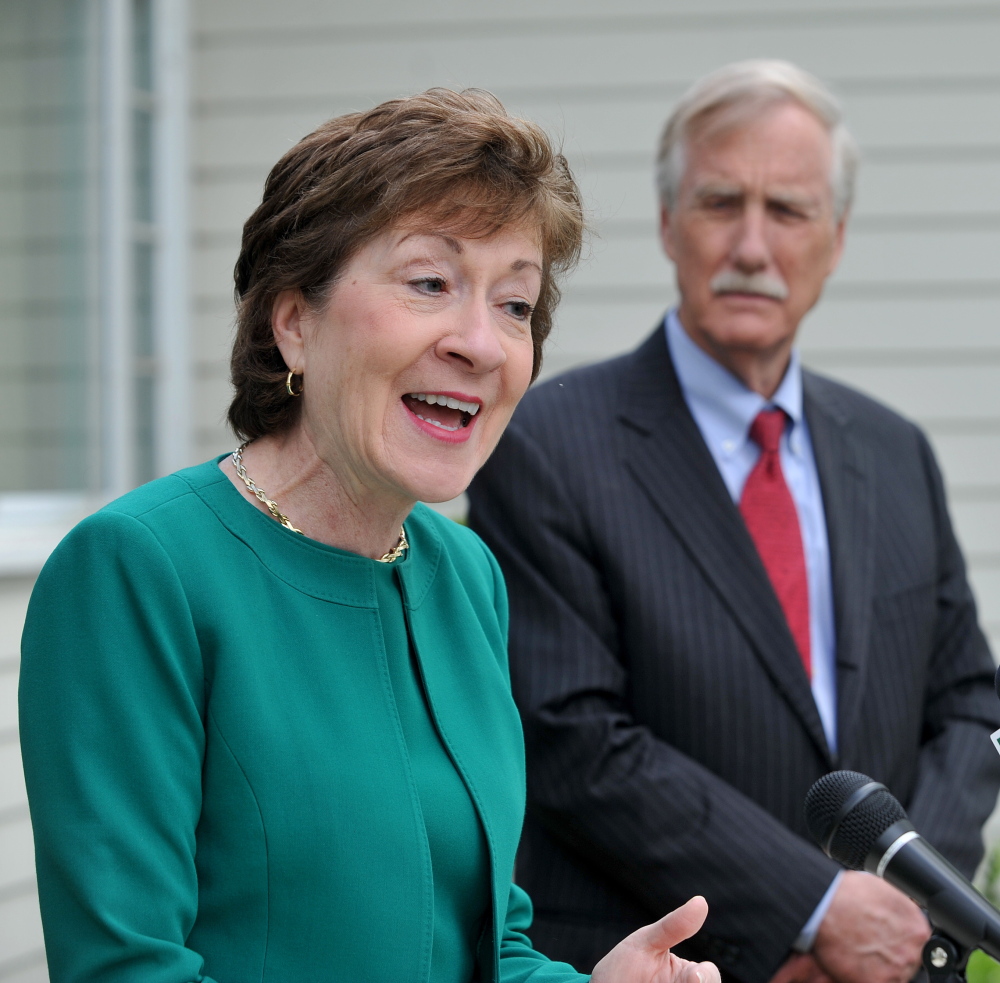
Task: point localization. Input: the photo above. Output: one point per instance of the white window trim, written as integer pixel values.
(32, 523)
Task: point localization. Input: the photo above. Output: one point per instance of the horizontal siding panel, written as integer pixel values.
(909, 327)
(28, 969)
(609, 124)
(8, 700)
(12, 792)
(956, 257)
(40, 147)
(17, 853)
(22, 80)
(929, 393)
(211, 401)
(210, 442)
(223, 208)
(20, 928)
(985, 581)
(959, 188)
(248, 146)
(955, 121)
(212, 273)
(214, 21)
(977, 525)
(30, 279)
(213, 335)
(623, 261)
(14, 594)
(41, 23)
(273, 67)
(40, 405)
(37, 458)
(971, 461)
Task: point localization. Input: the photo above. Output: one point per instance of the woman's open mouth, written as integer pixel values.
(443, 412)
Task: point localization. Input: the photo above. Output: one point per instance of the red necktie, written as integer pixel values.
(769, 512)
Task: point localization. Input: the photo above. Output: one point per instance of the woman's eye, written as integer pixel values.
(520, 309)
(429, 284)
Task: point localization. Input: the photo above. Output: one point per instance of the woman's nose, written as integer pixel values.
(475, 338)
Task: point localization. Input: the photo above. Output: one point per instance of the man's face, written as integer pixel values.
(753, 234)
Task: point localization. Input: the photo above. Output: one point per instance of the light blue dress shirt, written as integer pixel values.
(724, 408)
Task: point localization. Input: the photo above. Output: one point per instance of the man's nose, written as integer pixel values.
(750, 251)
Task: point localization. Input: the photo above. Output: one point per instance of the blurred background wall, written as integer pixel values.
(135, 136)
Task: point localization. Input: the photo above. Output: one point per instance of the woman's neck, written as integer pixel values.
(323, 504)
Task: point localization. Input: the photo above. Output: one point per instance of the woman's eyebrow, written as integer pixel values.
(450, 241)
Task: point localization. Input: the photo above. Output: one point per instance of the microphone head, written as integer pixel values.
(846, 812)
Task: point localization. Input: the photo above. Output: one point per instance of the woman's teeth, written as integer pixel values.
(455, 404)
(435, 423)
(467, 410)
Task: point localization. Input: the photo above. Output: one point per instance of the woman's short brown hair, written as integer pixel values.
(456, 157)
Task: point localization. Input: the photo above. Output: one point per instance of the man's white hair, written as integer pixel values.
(736, 94)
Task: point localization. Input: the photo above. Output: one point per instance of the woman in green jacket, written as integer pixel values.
(272, 739)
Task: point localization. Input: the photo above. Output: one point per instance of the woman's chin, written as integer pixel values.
(440, 487)
(443, 492)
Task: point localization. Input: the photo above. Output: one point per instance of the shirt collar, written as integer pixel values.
(722, 405)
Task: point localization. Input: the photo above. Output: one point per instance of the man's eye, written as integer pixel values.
(783, 210)
(719, 204)
(520, 309)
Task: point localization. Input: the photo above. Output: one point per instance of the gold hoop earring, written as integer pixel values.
(288, 384)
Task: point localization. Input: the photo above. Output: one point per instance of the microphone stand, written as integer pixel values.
(945, 960)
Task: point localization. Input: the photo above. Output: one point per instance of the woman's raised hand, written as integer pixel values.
(645, 956)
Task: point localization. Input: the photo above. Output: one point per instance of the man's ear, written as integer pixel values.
(838, 244)
(287, 314)
(666, 237)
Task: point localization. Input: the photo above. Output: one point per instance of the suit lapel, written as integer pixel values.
(667, 455)
(847, 482)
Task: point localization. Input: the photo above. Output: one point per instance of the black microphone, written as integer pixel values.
(858, 822)
(996, 682)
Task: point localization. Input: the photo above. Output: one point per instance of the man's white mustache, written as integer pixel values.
(734, 282)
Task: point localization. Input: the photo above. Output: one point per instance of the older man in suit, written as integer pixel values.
(729, 576)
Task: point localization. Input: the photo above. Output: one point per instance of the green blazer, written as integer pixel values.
(218, 782)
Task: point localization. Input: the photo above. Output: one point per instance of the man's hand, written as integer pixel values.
(645, 956)
(872, 933)
(800, 967)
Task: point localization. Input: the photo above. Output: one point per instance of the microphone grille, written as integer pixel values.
(849, 839)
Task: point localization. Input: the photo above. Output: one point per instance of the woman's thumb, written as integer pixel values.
(676, 926)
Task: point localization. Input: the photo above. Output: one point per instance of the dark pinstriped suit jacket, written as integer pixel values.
(670, 728)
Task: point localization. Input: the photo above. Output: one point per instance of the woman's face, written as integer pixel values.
(414, 367)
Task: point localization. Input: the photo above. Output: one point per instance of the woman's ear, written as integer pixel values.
(287, 314)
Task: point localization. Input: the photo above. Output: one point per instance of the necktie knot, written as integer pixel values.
(767, 428)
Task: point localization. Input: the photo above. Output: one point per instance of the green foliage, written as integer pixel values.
(988, 880)
(982, 969)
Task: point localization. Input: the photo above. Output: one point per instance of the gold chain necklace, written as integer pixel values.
(394, 554)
